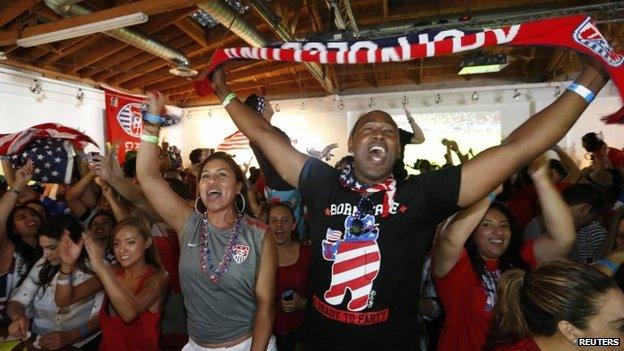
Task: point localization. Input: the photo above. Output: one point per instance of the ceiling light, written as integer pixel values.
(276, 108)
(35, 88)
(85, 29)
(183, 71)
(3, 56)
(475, 97)
(80, 96)
(516, 94)
(483, 64)
(371, 103)
(557, 90)
(438, 99)
(304, 106)
(404, 101)
(341, 104)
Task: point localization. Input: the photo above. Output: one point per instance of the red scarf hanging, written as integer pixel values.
(577, 33)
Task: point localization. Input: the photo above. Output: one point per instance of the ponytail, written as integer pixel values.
(508, 323)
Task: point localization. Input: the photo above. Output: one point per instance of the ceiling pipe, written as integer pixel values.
(315, 69)
(131, 37)
(227, 16)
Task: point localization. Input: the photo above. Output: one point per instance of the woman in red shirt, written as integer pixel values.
(292, 277)
(131, 312)
(554, 306)
(477, 245)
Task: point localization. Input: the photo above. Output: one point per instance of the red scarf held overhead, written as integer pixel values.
(577, 33)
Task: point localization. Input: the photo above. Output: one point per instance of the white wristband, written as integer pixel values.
(585, 93)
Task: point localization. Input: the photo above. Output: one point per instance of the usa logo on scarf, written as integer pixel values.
(129, 118)
(588, 35)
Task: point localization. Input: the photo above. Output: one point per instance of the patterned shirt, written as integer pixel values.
(588, 240)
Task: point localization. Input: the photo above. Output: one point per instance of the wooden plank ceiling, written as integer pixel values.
(98, 58)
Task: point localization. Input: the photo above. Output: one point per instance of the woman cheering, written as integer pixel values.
(227, 260)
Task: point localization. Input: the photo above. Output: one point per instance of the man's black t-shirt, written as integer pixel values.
(273, 179)
(365, 288)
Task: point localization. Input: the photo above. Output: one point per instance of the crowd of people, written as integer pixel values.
(508, 250)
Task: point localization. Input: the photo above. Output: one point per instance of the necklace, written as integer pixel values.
(205, 259)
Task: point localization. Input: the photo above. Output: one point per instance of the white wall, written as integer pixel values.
(322, 123)
(19, 108)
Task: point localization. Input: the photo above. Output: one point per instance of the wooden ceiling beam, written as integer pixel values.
(15, 9)
(193, 30)
(73, 46)
(149, 7)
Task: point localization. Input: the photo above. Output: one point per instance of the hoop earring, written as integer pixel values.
(197, 209)
(238, 210)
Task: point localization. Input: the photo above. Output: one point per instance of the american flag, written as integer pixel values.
(14, 143)
(52, 160)
(49, 146)
(236, 141)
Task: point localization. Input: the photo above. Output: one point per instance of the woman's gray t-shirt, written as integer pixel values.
(224, 311)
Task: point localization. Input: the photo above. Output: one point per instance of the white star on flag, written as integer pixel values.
(55, 173)
(39, 157)
(57, 160)
(47, 165)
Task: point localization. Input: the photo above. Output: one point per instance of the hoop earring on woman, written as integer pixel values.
(196, 209)
(238, 210)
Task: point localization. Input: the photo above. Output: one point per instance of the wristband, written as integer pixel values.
(585, 93)
(228, 99)
(17, 192)
(84, 330)
(150, 138)
(153, 119)
(609, 264)
(492, 196)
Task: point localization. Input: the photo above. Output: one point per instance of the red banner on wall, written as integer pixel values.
(123, 121)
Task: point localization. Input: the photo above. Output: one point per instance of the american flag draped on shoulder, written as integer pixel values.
(577, 33)
(49, 146)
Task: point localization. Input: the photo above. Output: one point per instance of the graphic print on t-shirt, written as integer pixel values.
(489, 284)
(240, 253)
(356, 260)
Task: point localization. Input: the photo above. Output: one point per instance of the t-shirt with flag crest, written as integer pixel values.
(367, 266)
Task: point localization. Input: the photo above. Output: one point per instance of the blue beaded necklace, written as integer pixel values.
(205, 259)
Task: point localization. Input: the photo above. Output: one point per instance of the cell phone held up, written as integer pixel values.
(288, 295)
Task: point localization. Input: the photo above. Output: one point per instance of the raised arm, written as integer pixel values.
(265, 295)
(128, 305)
(574, 173)
(74, 196)
(65, 293)
(419, 136)
(560, 232)
(286, 159)
(117, 207)
(491, 167)
(21, 178)
(449, 243)
(167, 204)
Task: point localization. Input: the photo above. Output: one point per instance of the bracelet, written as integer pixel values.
(228, 99)
(17, 192)
(585, 93)
(609, 264)
(150, 138)
(492, 196)
(68, 281)
(84, 330)
(153, 119)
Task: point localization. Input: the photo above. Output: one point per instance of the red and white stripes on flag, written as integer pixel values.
(236, 141)
(11, 144)
(577, 33)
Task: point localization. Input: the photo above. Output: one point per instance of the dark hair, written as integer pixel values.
(531, 304)
(557, 166)
(39, 203)
(54, 228)
(99, 213)
(143, 227)
(179, 187)
(511, 257)
(239, 176)
(361, 118)
(195, 156)
(591, 142)
(29, 254)
(344, 161)
(584, 194)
